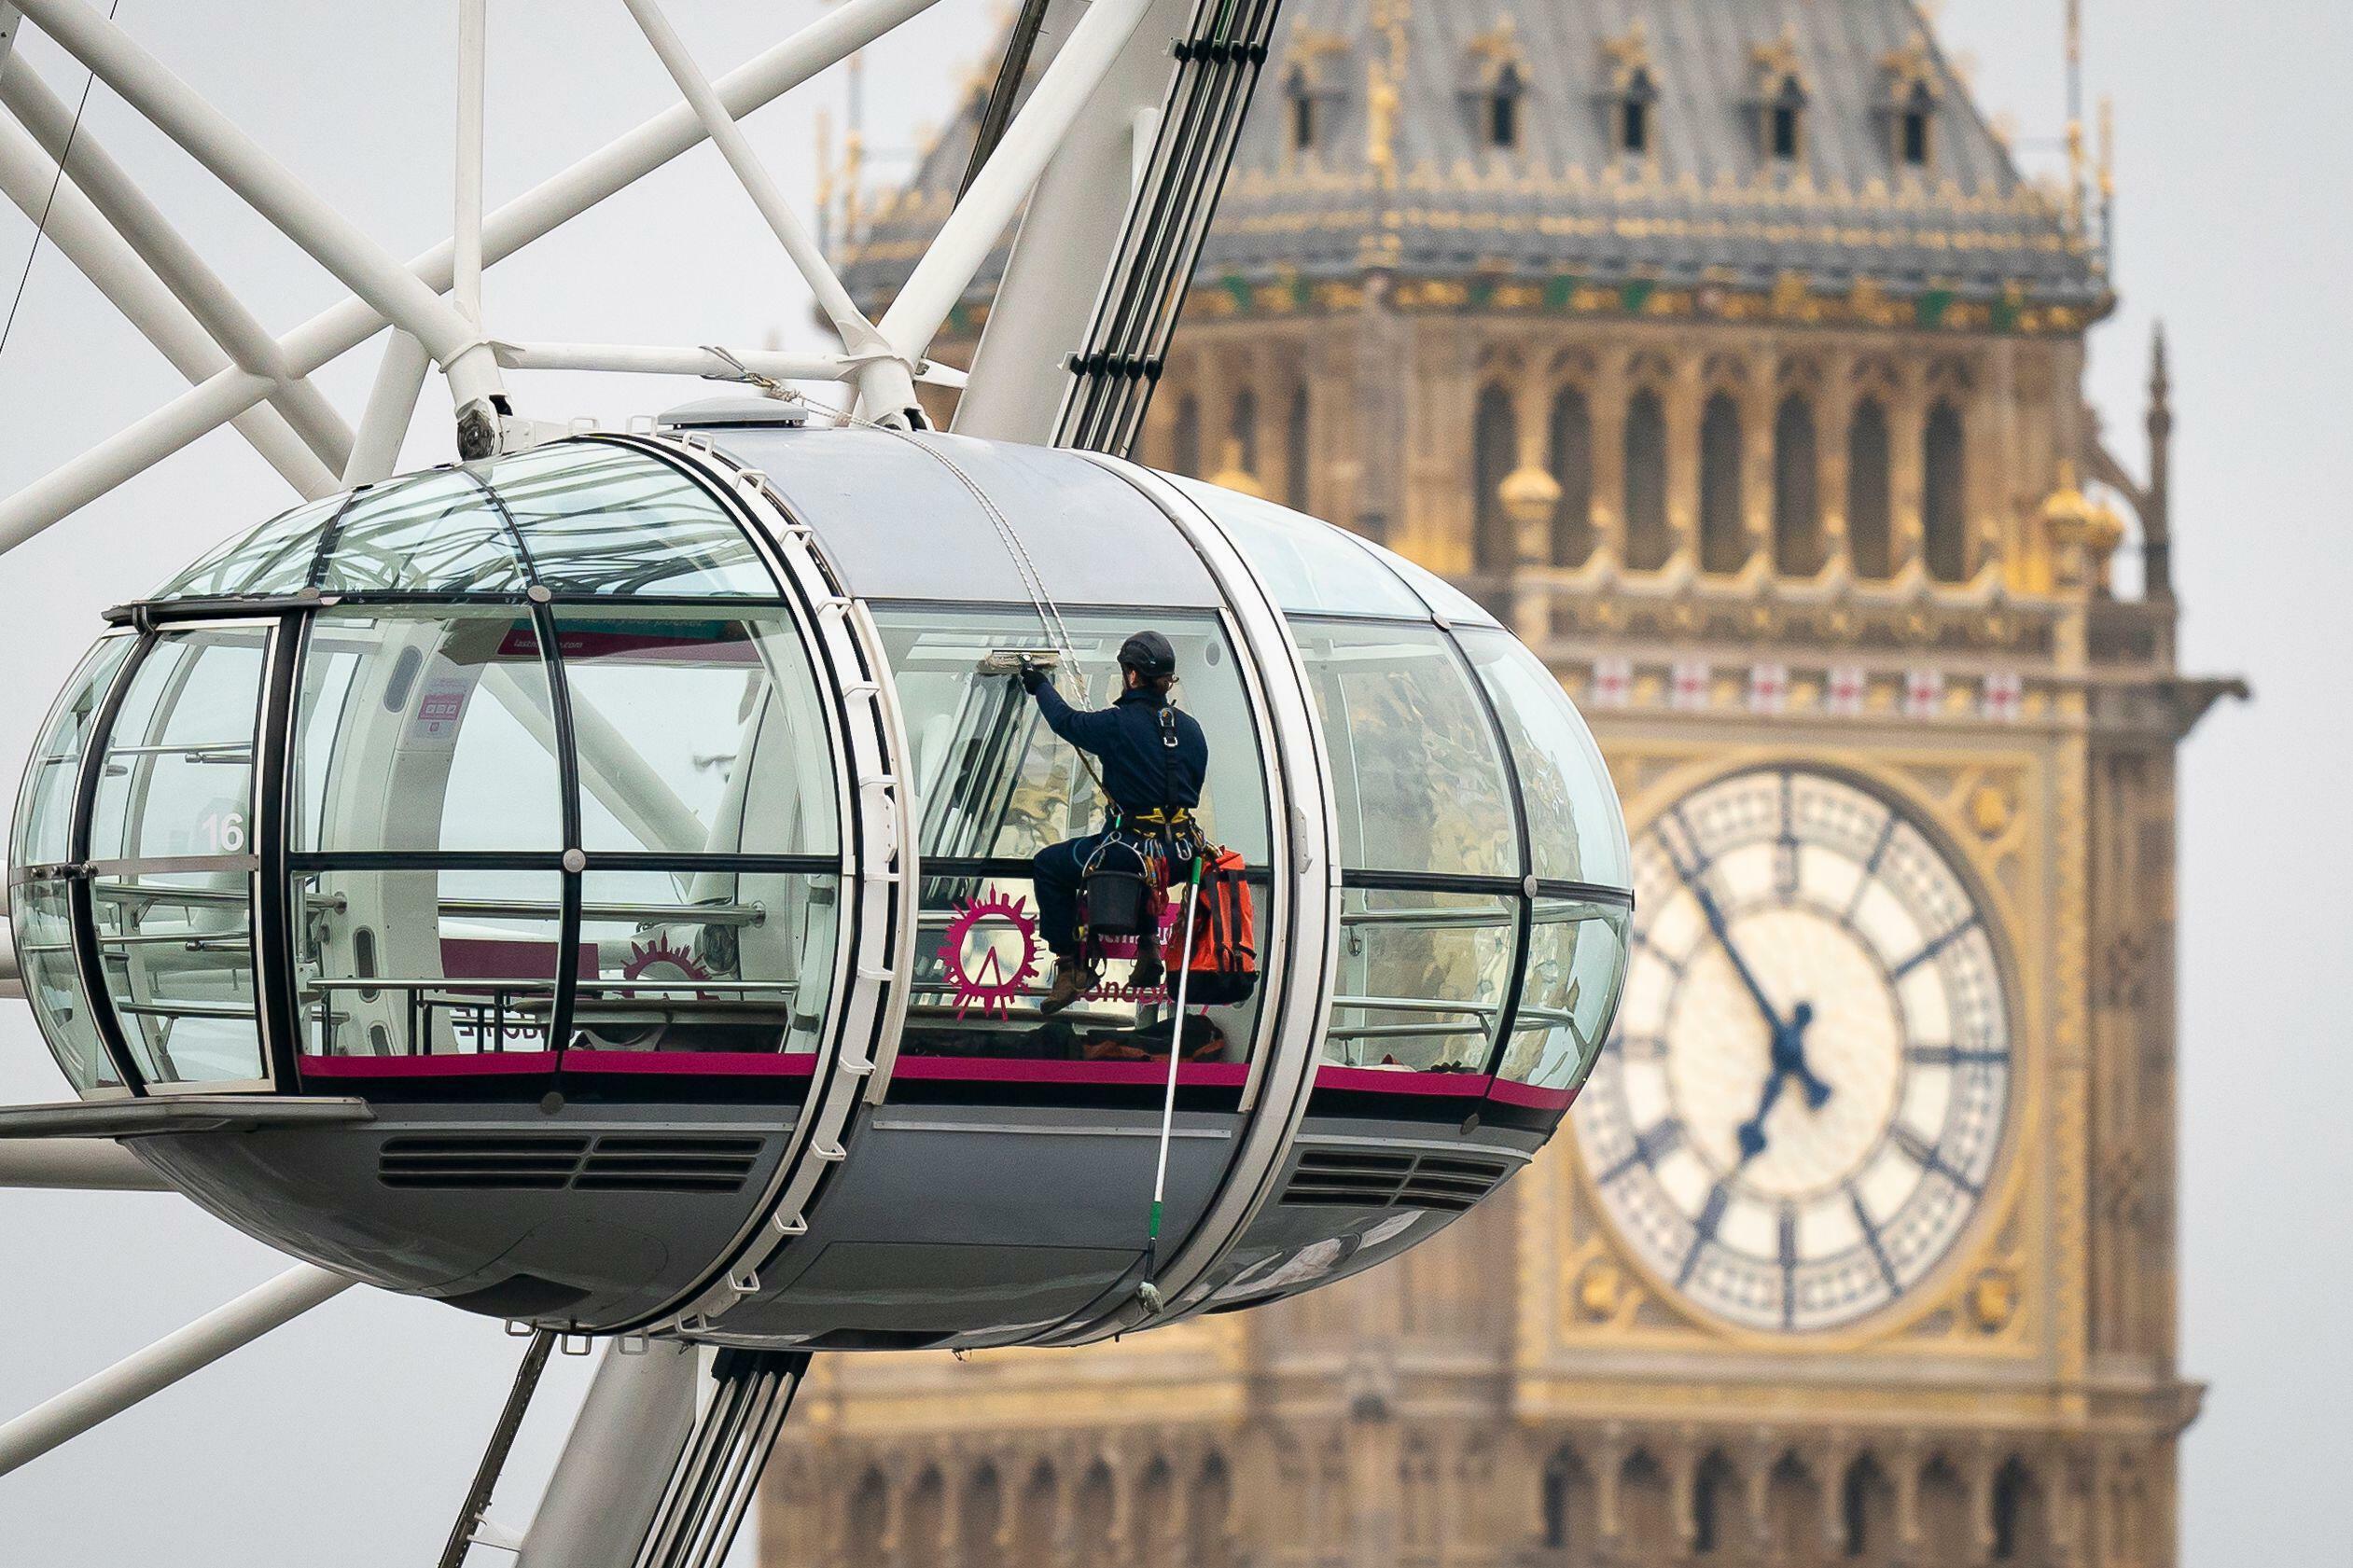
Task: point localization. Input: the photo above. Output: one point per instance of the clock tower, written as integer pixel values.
(1722, 347)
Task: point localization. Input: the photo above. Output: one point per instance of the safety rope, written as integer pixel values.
(41, 226)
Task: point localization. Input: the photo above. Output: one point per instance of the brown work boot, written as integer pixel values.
(1150, 970)
(1073, 979)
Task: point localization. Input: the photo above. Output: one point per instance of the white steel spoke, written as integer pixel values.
(709, 362)
(466, 241)
(530, 216)
(150, 236)
(392, 403)
(616, 1463)
(166, 1362)
(75, 1165)
(965, 241)
(884, 383)
(98, 250)
(271, 189)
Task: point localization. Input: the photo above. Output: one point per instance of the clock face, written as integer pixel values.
(1802, 1106)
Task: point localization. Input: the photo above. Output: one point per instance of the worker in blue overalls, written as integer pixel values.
(1154, 759)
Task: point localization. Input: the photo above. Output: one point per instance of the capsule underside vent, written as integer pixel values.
(1393, 1179)
(551, 1162)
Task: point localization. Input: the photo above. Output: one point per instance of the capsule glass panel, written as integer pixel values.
(41, 918)
(427, 963)
(1423, 976)
(1417, 779)
(425, 731)
(1310, 566)
(993, 786)
(612, 521)
(708, 960)
(172, 862)
(1576, 833)
(696, 735)
(1576, 969)
(45, 803)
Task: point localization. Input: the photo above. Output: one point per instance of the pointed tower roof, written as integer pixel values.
(1793, 148)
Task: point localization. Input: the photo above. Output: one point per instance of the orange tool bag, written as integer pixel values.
(1222, 967)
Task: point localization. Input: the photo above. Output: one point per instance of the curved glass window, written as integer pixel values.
(1311, 567)
(431, 775)
(578, 518)
(1428, 848)
(1576, 832)
(172, 857)
(992, 786)
(425, 730)
(696, 735)
(44, 802)
(1576, 967)
(39, 911)
(1417, 779)
(41, 918)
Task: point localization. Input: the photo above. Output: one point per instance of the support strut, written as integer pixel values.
(502, 1443)
(712, 1487)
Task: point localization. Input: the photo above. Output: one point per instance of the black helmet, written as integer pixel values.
(1150, 655)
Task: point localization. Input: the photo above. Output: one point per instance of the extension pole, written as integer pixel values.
(1176, 1054)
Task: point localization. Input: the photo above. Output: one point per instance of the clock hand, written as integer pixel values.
(1717, 923)
(1752, 1133)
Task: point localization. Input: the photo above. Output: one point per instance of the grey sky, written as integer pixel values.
(347, 1437)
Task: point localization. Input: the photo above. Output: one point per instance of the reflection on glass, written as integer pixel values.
(1577, 965)
(45, 805)
(176, 952)
(705, 960)
(992, 782)
(426, 730)
(275, 558)
(427, 963)
(170, 833)
(436, 533)
(1416, 779)
(38, 916)
(1309, 566)
(696, 736)
(607, 519)
(1576, 832)
(1422, 979)
(178, 774)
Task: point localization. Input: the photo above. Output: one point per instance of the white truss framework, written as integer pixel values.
(243, 376)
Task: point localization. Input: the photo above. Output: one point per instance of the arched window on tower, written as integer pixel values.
(1943, 513)
(1785, 121)
(1713, 1490)
(1797, 511)
(1870, 510)
(1723, 535)
(1245, 431)
(1298, 456)
(1184, 444)
(980, 1518)
(1034, 1520)
(1572, 463)
(1647, 541)
(870, 1517)
(1916, 128)
(2020, 1530)
(1307, 114)
(1495, 452)
(1500, 111)
(1632, 113)
(1568, 1503)
(1208, 1515)
(1867, 1508)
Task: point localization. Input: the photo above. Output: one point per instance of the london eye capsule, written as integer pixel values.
(593, 887)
